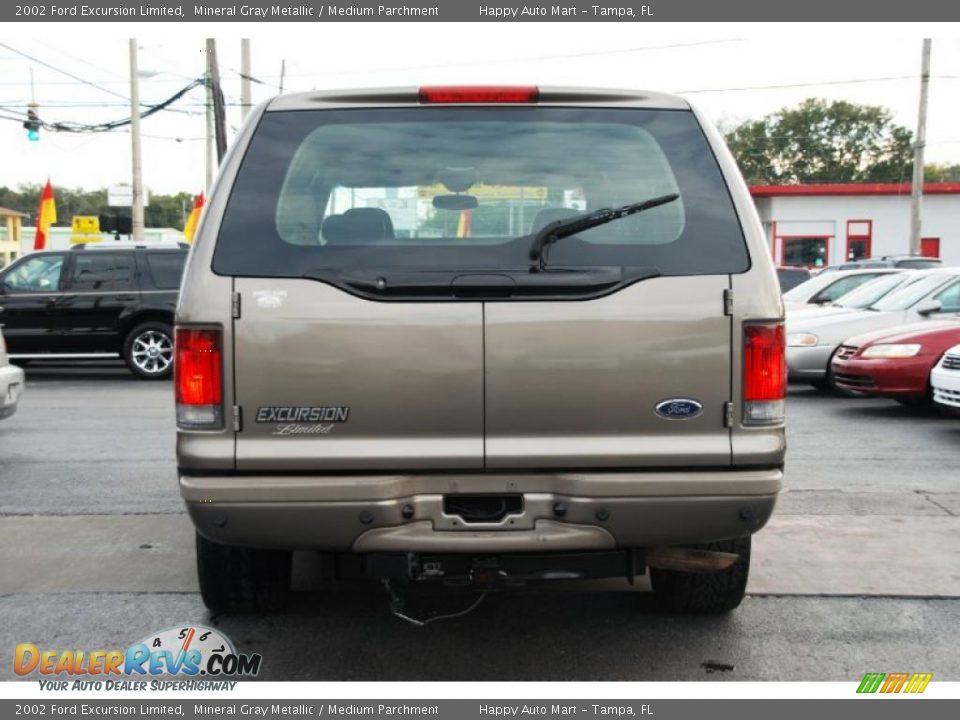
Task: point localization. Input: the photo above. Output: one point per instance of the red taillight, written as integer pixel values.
(198, 381)
(764, 373)
(493, 94)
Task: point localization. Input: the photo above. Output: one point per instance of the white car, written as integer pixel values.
(945, 379)
(11, 383)
(823, 289)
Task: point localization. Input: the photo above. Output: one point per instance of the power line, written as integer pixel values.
(500, 61)
(78, 79)
(75, 127)
(811, 84)
(63, 72)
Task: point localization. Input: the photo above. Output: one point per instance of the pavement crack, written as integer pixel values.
(926, 496)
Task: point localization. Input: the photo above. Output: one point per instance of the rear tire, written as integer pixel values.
(915, 402)
(148, 350)
(705, 593)
(919, 401)
(241, 579)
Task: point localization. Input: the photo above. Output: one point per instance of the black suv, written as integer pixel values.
(94, 302)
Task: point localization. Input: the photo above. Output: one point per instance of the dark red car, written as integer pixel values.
(895, 362)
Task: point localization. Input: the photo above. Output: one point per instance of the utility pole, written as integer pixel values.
(283, 72)
(916, 196)
(244, 77)
(137, 208)
(219, 114)
(209, 119)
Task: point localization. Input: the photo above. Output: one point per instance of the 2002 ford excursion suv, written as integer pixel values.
(480, 335)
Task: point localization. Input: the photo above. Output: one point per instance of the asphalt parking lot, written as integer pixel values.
(858, 571)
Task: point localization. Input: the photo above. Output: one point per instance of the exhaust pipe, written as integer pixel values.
(689, 559)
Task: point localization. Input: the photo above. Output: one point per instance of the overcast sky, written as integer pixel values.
(731, 71)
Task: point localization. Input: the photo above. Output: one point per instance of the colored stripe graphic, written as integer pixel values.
(871, 682)
(918, 682)
(894, 682)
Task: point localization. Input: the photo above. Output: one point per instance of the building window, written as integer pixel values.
(859, 239)
(806, 251)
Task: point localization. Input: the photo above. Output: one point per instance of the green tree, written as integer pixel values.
(942, 172)
(163, 210)
(822, 141)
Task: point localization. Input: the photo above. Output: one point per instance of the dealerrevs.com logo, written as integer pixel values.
(188, 650)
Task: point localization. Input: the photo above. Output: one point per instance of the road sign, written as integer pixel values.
(122, 196)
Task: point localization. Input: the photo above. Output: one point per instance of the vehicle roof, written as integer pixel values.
(410, 97)
(904, 257)
(882, 269)
(86, 247)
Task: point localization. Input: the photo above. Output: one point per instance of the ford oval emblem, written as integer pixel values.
(679, 408)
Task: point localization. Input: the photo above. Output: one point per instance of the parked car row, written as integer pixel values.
(889, 336)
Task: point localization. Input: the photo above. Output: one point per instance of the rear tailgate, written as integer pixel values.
(577, 384)
(329, 381)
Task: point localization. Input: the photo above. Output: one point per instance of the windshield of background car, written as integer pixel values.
(911, 294)
(809, 288)
(432, 188)
(869, 293)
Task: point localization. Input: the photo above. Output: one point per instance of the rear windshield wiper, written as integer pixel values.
(560, 229)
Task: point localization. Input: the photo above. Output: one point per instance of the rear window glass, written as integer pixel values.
(789, 279)
(166, 269)
(918, 264)
(432, 188)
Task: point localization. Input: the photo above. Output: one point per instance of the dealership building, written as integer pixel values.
(817, 225)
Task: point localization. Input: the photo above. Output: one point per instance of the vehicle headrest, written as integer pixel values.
(551, 214)
(357, 225)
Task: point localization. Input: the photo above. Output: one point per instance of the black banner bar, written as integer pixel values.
(479, 11)
(413, 709)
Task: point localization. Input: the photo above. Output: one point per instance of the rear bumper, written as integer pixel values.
(11, 386)
(902, 377)
(404, 513)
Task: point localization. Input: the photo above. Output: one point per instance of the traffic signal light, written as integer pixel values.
(32, 124)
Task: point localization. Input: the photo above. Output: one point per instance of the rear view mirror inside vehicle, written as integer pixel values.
(455, 202)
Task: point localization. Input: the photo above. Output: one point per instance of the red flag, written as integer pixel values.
(46, 216)
(190, 228)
